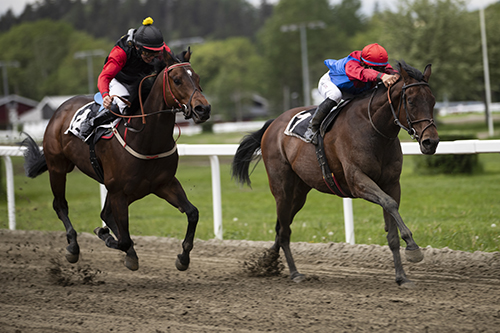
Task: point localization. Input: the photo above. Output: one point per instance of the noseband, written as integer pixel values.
(410, 130)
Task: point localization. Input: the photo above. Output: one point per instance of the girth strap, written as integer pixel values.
(94, 162)
(328, 176)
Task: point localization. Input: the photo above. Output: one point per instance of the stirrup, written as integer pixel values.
(86, 129)
(311, 136)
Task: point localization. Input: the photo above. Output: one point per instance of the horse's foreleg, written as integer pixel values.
(175, 195)
(394, 245)
(131, 258)
(367, 189)
(60, 205)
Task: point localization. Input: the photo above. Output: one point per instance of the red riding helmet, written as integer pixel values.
(149, 37)
(374, 55)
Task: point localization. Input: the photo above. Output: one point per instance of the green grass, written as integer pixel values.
(455, 211)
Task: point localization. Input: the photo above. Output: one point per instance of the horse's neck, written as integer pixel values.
(157, 132)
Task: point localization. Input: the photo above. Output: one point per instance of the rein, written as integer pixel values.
(410, 130)
(186, 109)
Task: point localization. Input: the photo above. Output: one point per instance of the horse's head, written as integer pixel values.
(182, 89)
(418, 103)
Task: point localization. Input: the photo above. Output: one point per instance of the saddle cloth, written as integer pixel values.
(297, 126)
(85, 113)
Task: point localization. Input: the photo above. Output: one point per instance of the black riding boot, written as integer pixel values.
(103, 117)
(321, 112)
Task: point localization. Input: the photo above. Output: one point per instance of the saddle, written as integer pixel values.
(85, 113)
(297, 126)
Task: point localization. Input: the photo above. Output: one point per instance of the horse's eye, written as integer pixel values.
(177, 81)
(410, 101)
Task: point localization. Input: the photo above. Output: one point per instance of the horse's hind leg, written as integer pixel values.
(60, 205)
(290, 193)
(175, 195)
(131, 258)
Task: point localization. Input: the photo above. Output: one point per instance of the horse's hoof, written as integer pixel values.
(131, 263)
(407, 284)
(71, 258)
(179, 265)
(298, 277)
(414, 255)
(101, 231)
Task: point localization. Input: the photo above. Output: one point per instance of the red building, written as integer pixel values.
(12, 107)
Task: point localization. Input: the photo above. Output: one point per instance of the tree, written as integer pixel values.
(440, 32)
(282, 50)
(230, 74)
(45, 51)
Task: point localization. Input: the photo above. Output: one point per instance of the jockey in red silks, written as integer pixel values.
(348, 77)
(135, 56)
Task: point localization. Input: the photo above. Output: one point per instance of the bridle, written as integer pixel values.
(403, 101)
(187, 110)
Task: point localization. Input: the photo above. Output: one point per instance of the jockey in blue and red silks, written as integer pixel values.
(350, 76)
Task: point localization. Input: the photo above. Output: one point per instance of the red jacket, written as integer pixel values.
(350, 76)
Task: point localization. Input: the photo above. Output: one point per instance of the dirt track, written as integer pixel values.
(348, 289)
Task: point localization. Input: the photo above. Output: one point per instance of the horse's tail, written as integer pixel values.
(34, 159)
(246, 153)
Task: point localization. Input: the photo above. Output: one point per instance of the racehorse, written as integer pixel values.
(147, 166)
(363, 152)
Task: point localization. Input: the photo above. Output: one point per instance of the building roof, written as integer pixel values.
(45, 109)
(17, 99)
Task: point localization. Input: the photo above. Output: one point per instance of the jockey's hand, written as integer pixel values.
(389, 79)
(107, 100)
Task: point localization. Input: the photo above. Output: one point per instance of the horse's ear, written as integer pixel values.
(187, 54)
(427, 72)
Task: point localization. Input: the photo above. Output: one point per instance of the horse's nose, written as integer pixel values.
(203, 111)
(429, 146)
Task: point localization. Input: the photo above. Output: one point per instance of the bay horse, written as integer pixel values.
(363, 152)
(147, 166)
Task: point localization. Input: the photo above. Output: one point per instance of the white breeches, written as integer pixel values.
(327, 89)
(116, 88)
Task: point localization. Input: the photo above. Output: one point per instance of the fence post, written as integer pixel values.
(11, 203)
(103, 192)
(348, 221)
(216, 196)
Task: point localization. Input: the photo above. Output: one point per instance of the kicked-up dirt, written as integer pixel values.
(349, 288)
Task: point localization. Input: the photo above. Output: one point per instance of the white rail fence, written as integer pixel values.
(213, 151)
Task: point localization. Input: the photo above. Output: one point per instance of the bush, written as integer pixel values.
(449, 164)
(207, 127)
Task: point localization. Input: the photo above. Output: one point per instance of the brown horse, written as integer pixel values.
(150, 166)
(363, 152)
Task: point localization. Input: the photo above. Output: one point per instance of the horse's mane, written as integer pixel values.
(413, 72)
(401, 64)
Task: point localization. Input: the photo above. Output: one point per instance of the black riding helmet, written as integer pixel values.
(149, 37)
